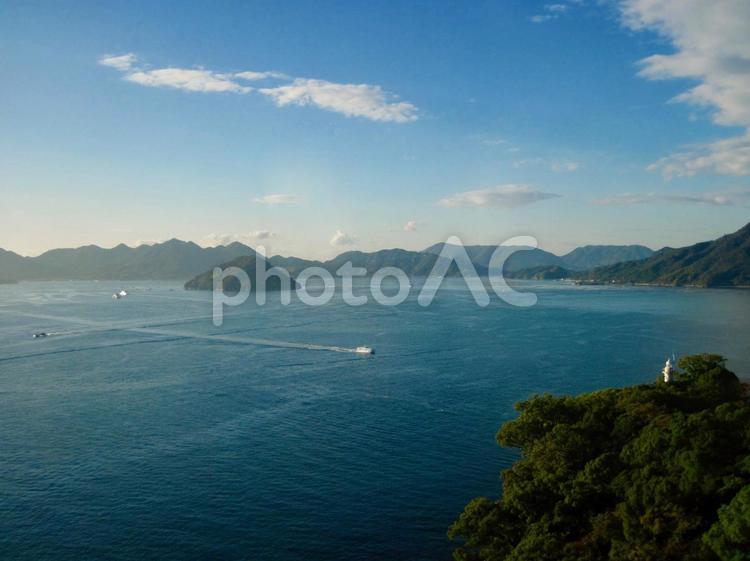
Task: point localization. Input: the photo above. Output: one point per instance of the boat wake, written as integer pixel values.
(160, 330)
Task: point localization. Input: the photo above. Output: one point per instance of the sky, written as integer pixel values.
(313, 128)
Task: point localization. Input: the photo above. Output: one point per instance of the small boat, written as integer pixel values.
(40, 335)
(364, 350)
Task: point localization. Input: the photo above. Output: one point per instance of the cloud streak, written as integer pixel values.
(278, 199)
(122, 63)
(188, 80)
(551, 11)
(213, 240)
(501, 196)
(733, 198)
(352, 100)
(558, 166)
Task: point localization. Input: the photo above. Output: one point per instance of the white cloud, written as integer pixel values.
(490, 140)
(213, 240)
(262, 235)
(730, 198)
(121, 62)
(352, 100)
(278, 199)
(502, 196)
(138, 243)
(410, 226)
(187, 79)
(564, 166)
(254, 76)
(341, 238)
(541, 18)
(558, 166)
(712, 46)
(551, 11)
(730, 156)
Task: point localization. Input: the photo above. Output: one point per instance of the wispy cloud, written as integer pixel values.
(342, 238)
(712, 46)
(410, 226)
(564, 166)
(213, 240)
(256, 76)
(501, 196)
(550, 12)
(186, 79)
(730, 156)
(278, 199)
(487, 140)
(261, 235)
(121, 62)
(731, 198)
(352, 100)
(558, 166)
(541, 18)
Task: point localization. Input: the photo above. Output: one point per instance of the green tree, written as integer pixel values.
(657, 471)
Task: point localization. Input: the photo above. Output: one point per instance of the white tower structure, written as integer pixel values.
(668, 372)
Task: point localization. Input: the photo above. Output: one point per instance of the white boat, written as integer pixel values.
(364, 350)
(123, 293)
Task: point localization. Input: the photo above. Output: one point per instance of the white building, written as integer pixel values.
(668, 372)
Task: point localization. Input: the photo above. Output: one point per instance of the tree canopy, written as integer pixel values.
(656, 471)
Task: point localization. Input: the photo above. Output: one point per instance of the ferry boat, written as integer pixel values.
(364, 350)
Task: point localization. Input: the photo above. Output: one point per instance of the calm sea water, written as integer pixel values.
(140, 431)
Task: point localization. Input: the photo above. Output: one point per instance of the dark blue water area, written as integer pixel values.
(139, 430)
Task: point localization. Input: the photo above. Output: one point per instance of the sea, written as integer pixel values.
(140, 430)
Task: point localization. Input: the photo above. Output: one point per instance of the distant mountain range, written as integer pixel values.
(420, 263)
(722, 262)
(413, 263)
(580, 259)
(170, 260)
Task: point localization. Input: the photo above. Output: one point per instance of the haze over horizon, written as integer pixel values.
(312, 132)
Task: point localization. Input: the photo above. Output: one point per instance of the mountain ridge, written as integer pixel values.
(171, 260)
(723, 262)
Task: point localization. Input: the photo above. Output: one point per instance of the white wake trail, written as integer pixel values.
(128, 326)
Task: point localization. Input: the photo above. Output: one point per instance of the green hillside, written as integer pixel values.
(231, 284)
(722, 262)
(657, 471)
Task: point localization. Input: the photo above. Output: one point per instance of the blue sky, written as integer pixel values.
(319, 127)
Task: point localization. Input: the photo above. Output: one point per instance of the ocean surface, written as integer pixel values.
(138, 430)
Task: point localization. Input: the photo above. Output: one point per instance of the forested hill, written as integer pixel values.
(653, 472)
(171, 260)
(580, 259)
(722, 262)
(591, 256)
